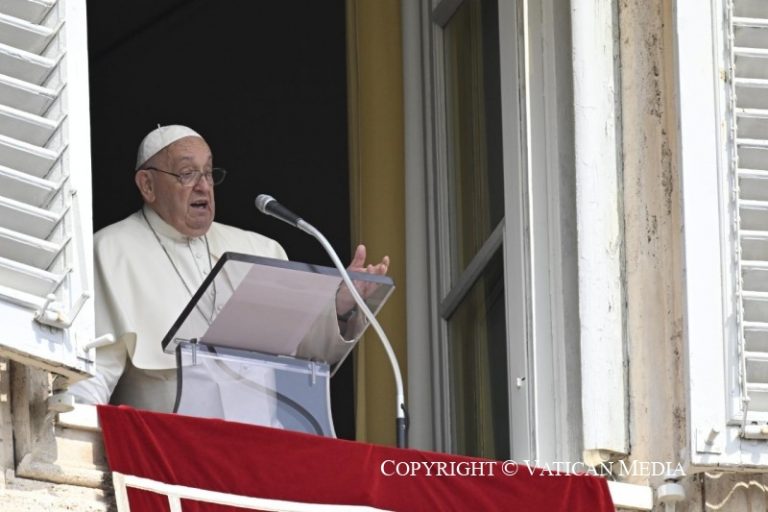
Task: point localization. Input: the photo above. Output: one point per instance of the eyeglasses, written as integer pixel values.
(191, 178)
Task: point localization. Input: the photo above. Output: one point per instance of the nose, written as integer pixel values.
(202, 184)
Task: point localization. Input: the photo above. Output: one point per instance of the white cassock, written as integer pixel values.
(139, 295)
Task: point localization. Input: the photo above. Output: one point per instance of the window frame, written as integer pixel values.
(452, 290)
(540, 285)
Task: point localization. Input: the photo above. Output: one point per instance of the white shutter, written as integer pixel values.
(722, 77)
(749, 103)
(45, 196)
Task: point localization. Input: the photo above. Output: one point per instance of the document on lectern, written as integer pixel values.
(272, 306)
(283, 304)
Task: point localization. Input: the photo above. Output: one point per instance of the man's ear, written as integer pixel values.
(146, 185)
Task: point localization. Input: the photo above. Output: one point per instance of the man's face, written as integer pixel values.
(189, 209)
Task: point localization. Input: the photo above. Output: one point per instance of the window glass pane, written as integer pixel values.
(473, 111)
(478, 367)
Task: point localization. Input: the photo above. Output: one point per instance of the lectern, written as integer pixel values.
(261, 338)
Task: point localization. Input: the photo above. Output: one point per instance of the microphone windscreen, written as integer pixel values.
(262, 201)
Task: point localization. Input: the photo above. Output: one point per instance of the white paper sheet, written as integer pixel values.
(272, 310)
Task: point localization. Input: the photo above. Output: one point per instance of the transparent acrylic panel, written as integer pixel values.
(275, 307)
(473, 111)
(478, 368)
(249, 387)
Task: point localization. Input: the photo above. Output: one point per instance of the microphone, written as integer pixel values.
(268, 205)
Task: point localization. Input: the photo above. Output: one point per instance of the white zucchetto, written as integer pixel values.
(159, 138)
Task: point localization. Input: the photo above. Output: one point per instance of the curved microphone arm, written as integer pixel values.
(401, 420)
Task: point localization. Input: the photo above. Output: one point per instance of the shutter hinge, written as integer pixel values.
(51, 313)
(709, 440)
(101, 341)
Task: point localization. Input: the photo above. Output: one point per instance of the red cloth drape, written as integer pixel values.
(268, 463)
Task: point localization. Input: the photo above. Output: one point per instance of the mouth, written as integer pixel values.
(201, 204)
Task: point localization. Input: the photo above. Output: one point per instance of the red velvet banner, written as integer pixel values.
(256, 461)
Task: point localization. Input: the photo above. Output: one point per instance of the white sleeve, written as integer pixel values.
(324, 341)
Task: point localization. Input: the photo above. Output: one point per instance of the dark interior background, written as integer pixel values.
(263, 82)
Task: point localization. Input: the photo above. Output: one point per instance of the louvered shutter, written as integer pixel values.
(749, 50)
(45, 198)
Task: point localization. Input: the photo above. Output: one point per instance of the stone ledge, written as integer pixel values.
(24, 495)
(32, 469)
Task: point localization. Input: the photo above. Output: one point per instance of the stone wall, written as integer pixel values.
(654, 271)
(50, 462)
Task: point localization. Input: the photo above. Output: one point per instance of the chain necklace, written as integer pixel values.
(208, 319)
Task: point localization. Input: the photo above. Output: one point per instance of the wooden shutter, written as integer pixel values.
(45, 197)
(749, 24)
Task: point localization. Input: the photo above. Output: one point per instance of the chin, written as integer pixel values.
(199, 229)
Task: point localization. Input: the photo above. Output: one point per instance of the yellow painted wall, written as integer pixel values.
(377, 194)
